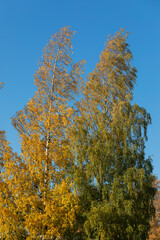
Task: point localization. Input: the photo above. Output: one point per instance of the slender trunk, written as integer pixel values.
(48, 139)
(48, 133)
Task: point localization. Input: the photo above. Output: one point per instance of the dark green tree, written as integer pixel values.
(111, 174)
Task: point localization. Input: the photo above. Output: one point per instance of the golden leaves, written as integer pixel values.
(35, 181)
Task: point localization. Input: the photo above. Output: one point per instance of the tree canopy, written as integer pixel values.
(82, 171)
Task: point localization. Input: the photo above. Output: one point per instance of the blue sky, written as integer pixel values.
(26, 26)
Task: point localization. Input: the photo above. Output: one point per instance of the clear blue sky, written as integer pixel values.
(26, 26)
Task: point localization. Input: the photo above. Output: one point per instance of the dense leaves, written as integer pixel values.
(82, 172)
(108, 141)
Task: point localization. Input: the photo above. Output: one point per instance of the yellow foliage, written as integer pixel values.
(35, 200)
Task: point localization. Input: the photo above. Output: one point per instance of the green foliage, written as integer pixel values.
(124, 214)
(108, 142)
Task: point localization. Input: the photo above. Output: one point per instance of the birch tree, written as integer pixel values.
(108, 140)
(48, 204)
